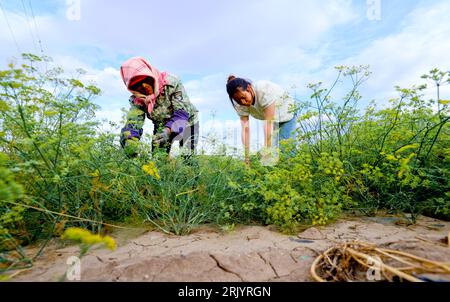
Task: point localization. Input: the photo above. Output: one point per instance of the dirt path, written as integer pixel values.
(251, 253)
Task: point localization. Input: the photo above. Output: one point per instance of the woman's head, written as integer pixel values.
(145, 86)
(240, 90)
(143, 80)
(137, 75)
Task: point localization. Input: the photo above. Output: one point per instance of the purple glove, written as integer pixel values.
(178, 121)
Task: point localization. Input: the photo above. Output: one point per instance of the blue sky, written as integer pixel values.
(290, 42)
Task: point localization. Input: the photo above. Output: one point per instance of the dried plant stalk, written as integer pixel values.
(344, 261)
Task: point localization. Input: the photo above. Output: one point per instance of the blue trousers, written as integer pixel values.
(287, 129)
(284, 131)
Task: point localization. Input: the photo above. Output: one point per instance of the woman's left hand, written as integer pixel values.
(162, 137)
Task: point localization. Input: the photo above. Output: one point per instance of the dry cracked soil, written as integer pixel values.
(248, 253)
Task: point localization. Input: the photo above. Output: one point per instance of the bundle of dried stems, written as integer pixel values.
(358, 261)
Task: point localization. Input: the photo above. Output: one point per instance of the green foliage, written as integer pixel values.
(10, 191)
(190, 193)
(396, 158)
(301, 189)
(57, 171)
(11, 217)
(47, 135)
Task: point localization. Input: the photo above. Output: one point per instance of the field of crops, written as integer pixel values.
(57, 170)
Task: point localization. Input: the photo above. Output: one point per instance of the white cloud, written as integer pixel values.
(401, 58)
(15, 27)
(208, 93)
(110, 82)
(421, 44)
(114, 94)
(189, 36)
(199, 37)
(283, 41)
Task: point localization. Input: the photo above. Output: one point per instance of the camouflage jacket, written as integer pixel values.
(171, 105)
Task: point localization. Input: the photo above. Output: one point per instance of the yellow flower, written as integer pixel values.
(390, 157)
(412, 146)
(92, 239)
(150, 169)
(76, 234)
(86, 237)
(109, 242)
(4, 278)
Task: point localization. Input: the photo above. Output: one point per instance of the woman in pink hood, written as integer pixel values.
(162, 98)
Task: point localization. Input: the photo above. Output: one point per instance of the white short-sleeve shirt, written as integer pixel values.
(265, 94)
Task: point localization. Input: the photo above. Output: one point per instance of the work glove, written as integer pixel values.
(269, 156)
(161, 138)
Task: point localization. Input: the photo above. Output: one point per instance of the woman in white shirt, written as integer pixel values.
(262, 100)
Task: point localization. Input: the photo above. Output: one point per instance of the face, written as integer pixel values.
(244, 97)
(144, 88)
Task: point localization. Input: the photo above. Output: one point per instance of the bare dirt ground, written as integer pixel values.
(250, 253)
